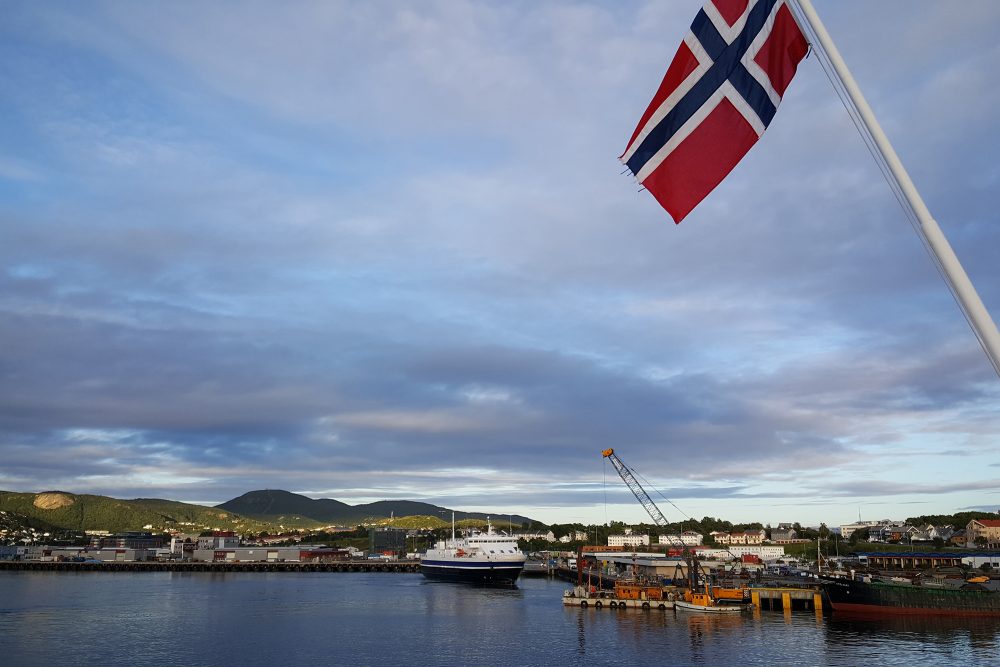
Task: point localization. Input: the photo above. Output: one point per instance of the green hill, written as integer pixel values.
(79, 512)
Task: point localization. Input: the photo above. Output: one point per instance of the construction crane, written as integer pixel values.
(640, 493)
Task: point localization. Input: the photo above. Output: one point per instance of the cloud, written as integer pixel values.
(884, 488)
(384, 251)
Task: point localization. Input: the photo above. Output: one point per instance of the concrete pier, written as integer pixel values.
(787, 599)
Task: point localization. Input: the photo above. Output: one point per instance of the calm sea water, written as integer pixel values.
(189, 619)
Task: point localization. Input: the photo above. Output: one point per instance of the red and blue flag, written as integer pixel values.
(718, 96)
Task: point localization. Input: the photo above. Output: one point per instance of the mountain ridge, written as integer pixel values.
(279, 503)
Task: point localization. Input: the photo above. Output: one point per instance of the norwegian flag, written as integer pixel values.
(718, 96)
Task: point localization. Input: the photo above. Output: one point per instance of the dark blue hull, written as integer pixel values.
(481, 574)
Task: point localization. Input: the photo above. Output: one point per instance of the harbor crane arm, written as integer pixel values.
(636, 487)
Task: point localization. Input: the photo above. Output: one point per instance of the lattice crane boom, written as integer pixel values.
(636, 487)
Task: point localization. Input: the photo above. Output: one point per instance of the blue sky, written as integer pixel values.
(384, 250)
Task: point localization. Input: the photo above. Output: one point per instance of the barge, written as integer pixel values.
(899, 598)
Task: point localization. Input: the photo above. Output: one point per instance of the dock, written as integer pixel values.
(784, 599)
(200, 566)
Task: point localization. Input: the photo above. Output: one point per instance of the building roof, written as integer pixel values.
(989, 523)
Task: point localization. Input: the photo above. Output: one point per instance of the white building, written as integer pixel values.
(688, 538)
(848, 529)
(574, 536)
(765, 552)
(628, 540)
(548, 536)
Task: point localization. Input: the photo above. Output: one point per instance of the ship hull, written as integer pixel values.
(881, 599)
(479, 573)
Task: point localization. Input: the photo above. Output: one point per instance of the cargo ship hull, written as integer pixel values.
(880, 598)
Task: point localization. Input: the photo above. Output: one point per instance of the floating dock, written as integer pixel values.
(611, 602)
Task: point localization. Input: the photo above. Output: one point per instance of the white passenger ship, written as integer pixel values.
(489, 559)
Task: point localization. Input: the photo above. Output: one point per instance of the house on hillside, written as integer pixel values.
(784, 533)
(721, 537)
(755, 537)
(988, 529)
(894, 533)
(930, 532)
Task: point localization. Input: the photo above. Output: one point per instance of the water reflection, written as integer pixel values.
(712, 623)
(362, 619)
(968, 640)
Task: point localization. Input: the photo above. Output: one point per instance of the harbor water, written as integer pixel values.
(170, 618)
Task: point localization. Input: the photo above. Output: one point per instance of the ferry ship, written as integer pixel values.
(487, 559)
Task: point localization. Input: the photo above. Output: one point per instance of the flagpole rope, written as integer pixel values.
(855, 116)
(862, 129)
(888, 162)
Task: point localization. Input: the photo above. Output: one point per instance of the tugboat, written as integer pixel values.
(711, 599)
(705, 603)
(486, 559)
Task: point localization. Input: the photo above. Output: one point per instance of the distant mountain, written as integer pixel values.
(284, 507)
(277, 505)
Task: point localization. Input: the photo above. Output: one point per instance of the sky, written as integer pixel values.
(385, 250)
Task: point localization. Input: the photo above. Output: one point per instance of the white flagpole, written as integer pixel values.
(951, 269)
